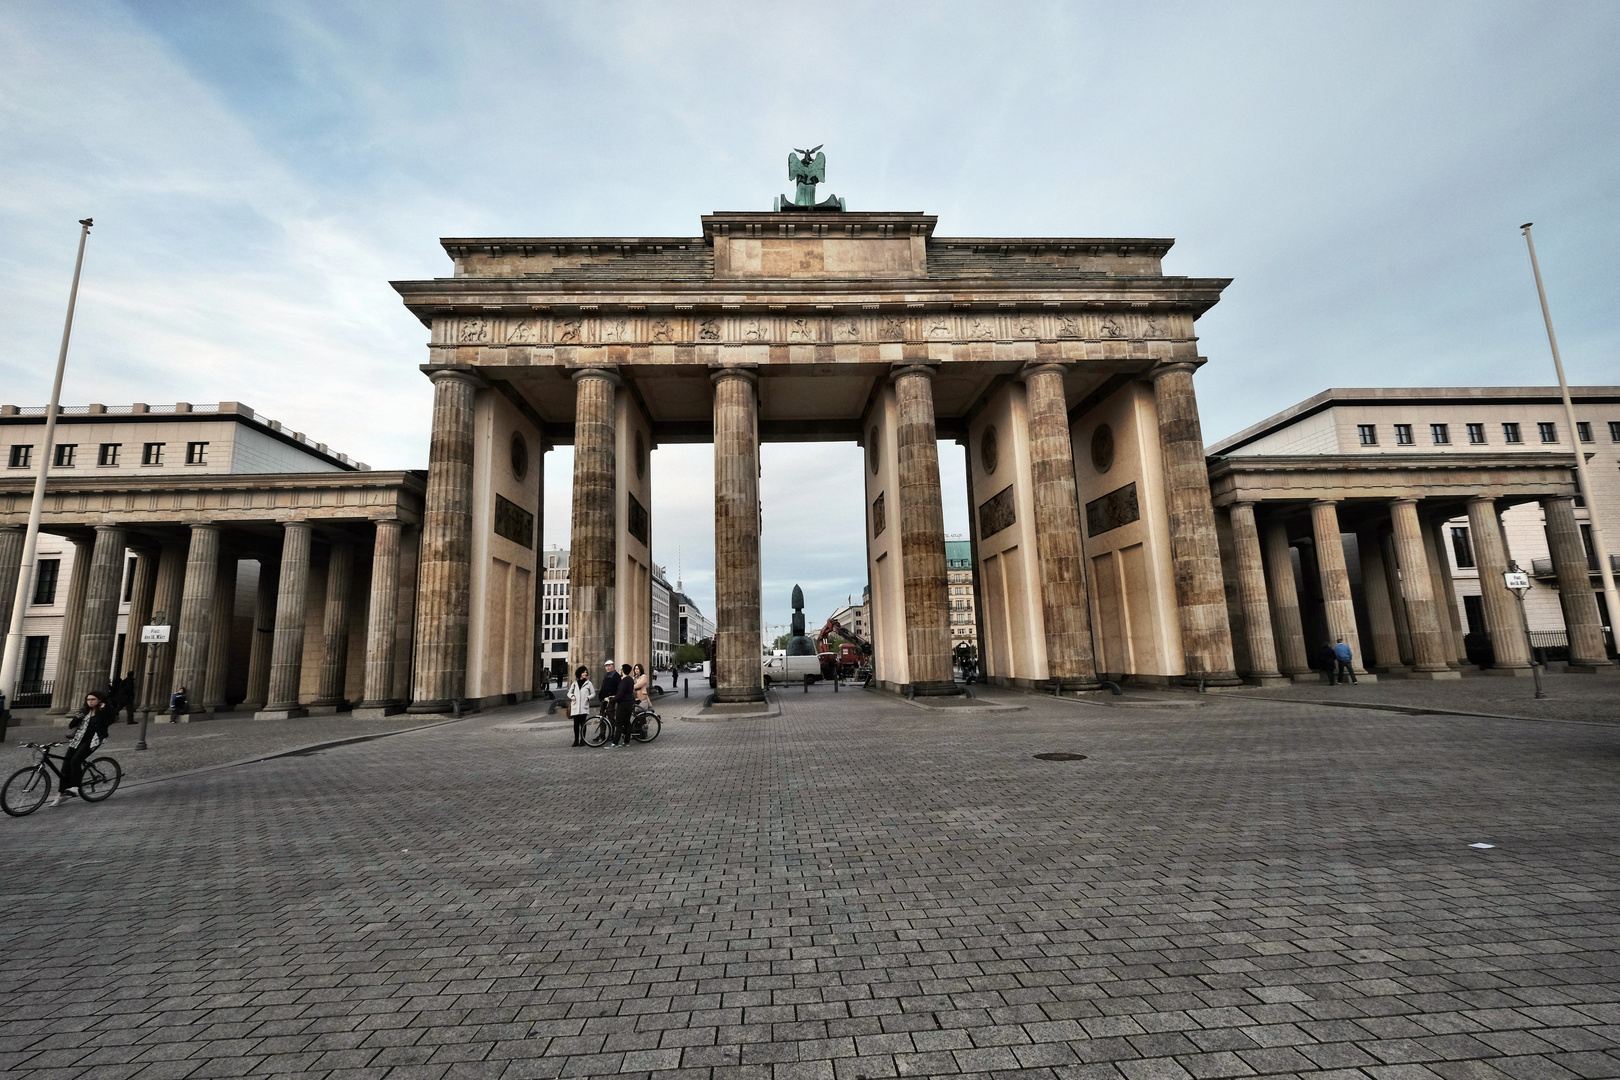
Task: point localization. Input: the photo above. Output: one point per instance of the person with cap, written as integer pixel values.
(610, 689)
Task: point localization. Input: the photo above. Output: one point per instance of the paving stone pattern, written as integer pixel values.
(855, 889)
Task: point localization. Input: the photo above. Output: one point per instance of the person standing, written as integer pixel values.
(90, 727)
(580, 692)
(624, 702)
(610, 689)
(1325, 662)
(643, 684)
(1341, 660)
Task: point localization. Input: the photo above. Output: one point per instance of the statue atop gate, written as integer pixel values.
(807, 168)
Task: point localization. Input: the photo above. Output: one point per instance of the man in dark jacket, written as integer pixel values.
(624, 701)
(610, 687)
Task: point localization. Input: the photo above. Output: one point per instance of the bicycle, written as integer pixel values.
(27, 789)
(644, 726)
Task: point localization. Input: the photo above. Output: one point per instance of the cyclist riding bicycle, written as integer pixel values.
(90, 731)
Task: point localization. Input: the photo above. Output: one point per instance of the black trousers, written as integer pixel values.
(579, 727)
(73, 764)
(621, 725)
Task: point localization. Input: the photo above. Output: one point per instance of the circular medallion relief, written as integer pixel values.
(1102, 448)
(872, 449)
(989, 450)
(520, 456)
(641, 457)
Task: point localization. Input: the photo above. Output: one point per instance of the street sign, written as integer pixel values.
(154, 635)
(1516, 579)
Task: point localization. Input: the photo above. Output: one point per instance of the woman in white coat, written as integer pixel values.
(580, 692)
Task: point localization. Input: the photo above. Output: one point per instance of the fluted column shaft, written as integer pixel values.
(196, 613)
(98, 629)
(922, 534)
(1336, 600)
(1206, 636)
(738, 670)
(380, 616)
(287, 650)
(1501, 605)
(1065, 606)
(67, 653)
(171, 579)
(11, 548)
(1397, 602)
(335, 629)
(1430, 637)
(445, 579)
(264, 634)
(1575, 595)
(1251, 583)
(592, 558)
(1386, 649)
(219, 634)
(1290, 630)
(1445, 595)
(142, 590)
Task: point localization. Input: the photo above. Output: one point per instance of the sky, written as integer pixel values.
(259, 172)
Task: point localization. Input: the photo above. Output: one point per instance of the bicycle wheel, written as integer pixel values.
(100, 779)
(25, 791)
(650, 727)
(596, 731)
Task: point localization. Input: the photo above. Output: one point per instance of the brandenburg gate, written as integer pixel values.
(1065, 366)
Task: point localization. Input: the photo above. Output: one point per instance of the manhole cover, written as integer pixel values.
(1061, 757)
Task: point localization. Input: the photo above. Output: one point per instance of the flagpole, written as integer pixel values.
(25, 574)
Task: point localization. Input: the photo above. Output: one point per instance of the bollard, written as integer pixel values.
(836, 681)
(686, 688)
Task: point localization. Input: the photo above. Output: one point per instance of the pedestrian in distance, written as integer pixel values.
(624, 703)
(1341, 659)
(580, 692)
(90, 731)
(1326, 660)
(123, 697)
(178, 703)
(610, 689)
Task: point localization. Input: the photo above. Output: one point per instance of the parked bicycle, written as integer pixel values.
(644, 726)
(27, 789)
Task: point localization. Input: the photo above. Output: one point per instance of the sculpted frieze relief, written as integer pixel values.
(793, 329)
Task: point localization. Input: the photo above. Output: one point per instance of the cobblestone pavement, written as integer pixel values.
(857, 888)
(1590, 698)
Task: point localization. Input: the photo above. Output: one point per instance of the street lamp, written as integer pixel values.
(1519, 581)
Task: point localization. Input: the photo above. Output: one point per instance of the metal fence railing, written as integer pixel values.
(34, 693)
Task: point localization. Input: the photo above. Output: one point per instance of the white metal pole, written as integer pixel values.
(25, 575)
(1599, 548)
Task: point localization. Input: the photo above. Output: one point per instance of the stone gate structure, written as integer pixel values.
(1065, 365)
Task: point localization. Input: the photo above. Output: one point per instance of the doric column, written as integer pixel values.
(922, 535)
(264, 635)
(1431, 638)
(445, 579)
(98, 629)
(1581, 621)
(738, 671)
(593, 531)
(1386, 649)
(1501, 606)
(142, 589)
(1335, 575)
(11, 547)
(219, 635)
(335, 629)
(1284, 597)
(171, 578)
(287, 650)
(1065, 605)
(1206, 637)
(381, 614)
(196, 614)
(1397, 602)
(1251, 585)
(67, 654)
(1445, 595)
(540, 661)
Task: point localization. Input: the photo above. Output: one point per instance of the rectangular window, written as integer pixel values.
(45, 580)
(1548, 431)
(1476, 434)
(1441, 434)
(1591, 553)
(108, 454)
(1583, 430)
(152, 453)
(1368, 434)
(1403, 434)
(196, 453)
(1510, 433)
(1614, 430)
(20, 457)
(1461, 549)
(65, 453)
(33, 665)
(129, 579)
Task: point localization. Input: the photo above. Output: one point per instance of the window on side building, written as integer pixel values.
(1368, 434)
(33, 666)
(1614, 430)
(1461, 549)
(1441, 434)
(1548, 431)
(65, 453)
(1510, 433)
(1403, 434)
(152, 453)
(45, 581)
(1476, 434)
(196, 453)
(20, 457)
(129, 579)
(108, 454)
(1583, 430)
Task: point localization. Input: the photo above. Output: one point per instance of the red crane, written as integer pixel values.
(851, 656)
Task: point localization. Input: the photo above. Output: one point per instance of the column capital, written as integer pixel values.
(901, 371)
(1324, 502)
(611, 374)
(1405, 500)
(452, 374)
(1041, 367)
(196, 527)
(1159, 371)
(1242, 504)
(749, 375)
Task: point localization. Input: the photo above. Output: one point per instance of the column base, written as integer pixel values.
(1508, 672)
(250, 706)
(328, 708)
(1396, 671)
(1581, 668)
(1434, 676)
(934, 688)
(1273, 679)
(736, 695)
(377, 710)
(281, 712)
(441, 705)
(1215, 679)
(195, 716)
(1068, 686)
